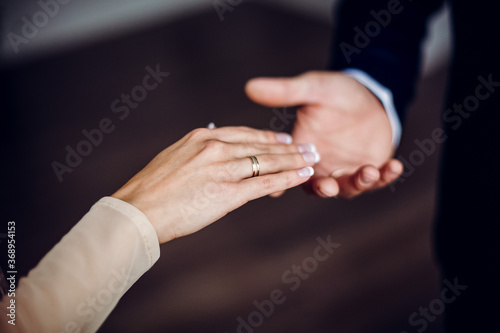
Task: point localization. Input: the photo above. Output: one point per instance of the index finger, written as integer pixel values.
(250, 135)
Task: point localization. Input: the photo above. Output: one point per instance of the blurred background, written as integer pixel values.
(83, 55)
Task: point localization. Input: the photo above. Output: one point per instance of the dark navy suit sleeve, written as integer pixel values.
(382, 38)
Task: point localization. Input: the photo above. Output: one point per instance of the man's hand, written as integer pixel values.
(345, 121)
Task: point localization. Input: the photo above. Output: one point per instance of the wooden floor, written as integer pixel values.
(383, 270)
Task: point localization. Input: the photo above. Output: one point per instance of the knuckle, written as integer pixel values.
(200, 133)
(214, 146)
(261, 147)
(224, 171)
(267, 183)
(267, 136)
(223, 190)
(232, 168)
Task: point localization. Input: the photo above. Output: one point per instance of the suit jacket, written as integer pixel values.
(383, 37)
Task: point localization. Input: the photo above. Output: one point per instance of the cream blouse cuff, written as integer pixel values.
(79, 282)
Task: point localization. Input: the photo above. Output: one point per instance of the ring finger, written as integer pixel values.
(270, 163)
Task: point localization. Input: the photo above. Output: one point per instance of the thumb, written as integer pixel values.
(277, 92)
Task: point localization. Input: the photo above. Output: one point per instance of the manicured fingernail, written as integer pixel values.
(311, 157)
(211, 126)
(284, 138)
(307, 147)
(306, 172)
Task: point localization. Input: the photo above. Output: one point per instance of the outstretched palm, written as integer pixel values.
(345, 121)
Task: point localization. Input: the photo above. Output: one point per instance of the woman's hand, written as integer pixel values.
(208, 173)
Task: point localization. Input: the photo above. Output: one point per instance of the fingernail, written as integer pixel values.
(329, 195)
(367, 178)
(306, 172)
(391, 174)
(307, 147)
(327, 190)
(284, 138)
(395, 170)
(311, 157)
(324, 193)
(211, 126)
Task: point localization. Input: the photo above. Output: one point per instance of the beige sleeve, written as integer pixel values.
(79, 282)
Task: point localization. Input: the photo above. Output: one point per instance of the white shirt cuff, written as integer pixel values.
(384, 95)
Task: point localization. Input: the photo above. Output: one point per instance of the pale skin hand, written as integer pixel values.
(345, 121)
(207, 174)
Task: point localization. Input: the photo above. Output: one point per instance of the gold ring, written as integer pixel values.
(255, 166)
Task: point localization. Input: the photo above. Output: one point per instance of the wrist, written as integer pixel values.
(384, 95)
(127, 196)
